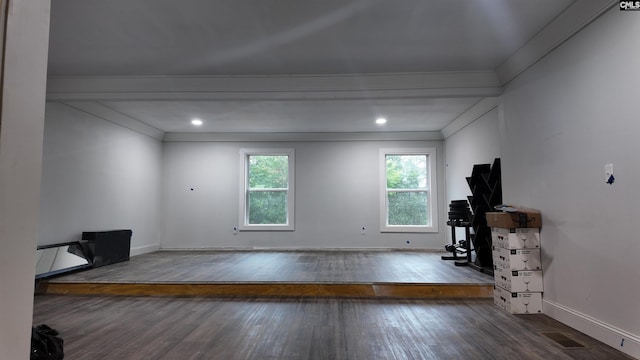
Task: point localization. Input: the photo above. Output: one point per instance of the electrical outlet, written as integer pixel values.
(608, 172)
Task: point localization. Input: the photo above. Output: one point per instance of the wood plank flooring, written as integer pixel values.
(373, 274)
(283, 266)
(100, 327)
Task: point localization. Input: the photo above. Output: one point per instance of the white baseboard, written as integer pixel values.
(294, 249)
(139, 250)
(617, 338)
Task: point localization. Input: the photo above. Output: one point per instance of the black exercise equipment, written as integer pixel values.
(459, 216)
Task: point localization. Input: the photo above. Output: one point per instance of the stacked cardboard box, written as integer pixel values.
(515, 237)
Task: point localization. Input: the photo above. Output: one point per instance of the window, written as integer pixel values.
(266, 199)
(408, 190)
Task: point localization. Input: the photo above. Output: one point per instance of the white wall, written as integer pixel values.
(477, 143)
(337, 192)
(21, 128)
(564, 119)
(98, 176)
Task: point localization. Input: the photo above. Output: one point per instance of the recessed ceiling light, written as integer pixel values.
(381, 121)
(196, 122)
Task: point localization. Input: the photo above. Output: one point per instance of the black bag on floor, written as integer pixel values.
(45, 344)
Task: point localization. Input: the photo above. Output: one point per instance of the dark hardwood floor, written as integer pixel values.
(296, 305)
(364, 274)
(102, 327)
(283, 266)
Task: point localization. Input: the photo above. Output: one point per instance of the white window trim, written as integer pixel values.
(432, 187)
(243, 223)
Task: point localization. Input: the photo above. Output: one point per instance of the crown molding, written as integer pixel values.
(573, 19)
(305, 137)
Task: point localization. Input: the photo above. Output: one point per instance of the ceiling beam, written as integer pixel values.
(309, 87)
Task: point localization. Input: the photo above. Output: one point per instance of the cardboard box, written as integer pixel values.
(518, 303)
(518, 281)
(520, 238)
(515, 218)
(516, 259)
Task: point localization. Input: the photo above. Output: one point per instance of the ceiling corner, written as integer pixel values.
(103, 112)
(476, 111)
(577, 16)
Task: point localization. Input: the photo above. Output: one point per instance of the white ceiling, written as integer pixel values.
(296, 116)
(99, 46)
(276, 37)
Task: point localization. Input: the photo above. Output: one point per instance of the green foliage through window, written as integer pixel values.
(406, 171)
(407, 191)
(408, 208)
(268, 187)
(268, 207)
(268, 171)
